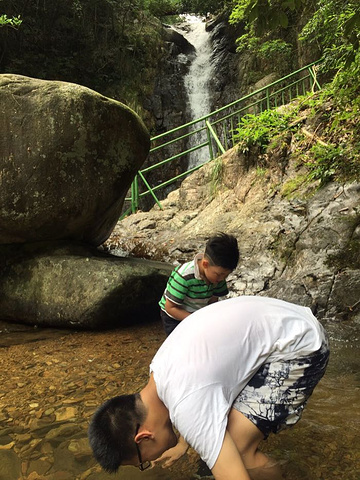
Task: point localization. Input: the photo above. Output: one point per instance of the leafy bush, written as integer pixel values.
(276, 53)
(202, 7)
(335, 26)
(333, 162)
(258, 130)
(162, 8)
(110, 46)
(265, 15)
(247, 43)
(275, 50)
(12, 22)
(326, 162)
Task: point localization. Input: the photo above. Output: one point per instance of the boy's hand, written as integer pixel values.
(169, 457)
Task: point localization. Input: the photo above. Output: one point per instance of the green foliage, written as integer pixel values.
(273, 49)
(202, 7)
(248, 43)
(339, 157)
(258, 130)
(275, 53)
(162, 8)
(268, 31)
(346, 86)
(326, 161)
(12, 22)
(335, 27)
(110, 46)
(264, 15)
(333, 162)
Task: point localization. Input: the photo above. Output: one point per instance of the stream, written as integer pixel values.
(51, 382)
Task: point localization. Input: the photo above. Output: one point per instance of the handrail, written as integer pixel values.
(219, 128)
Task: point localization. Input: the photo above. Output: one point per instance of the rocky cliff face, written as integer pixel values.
(168, 106)
(297, 241)
(237, 74)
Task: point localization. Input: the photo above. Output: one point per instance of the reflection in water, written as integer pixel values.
(43, 428)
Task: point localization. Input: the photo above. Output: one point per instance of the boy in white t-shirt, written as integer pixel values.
(244, 368)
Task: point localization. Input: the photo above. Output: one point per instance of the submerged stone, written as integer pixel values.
(76, 286)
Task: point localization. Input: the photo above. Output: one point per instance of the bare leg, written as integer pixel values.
(247, 438)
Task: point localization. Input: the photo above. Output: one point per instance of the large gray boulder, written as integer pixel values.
(67, 158)
(76, 286)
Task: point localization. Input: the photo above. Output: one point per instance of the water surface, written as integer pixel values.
(52, 381)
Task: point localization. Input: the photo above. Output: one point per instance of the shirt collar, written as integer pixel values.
(197, 257)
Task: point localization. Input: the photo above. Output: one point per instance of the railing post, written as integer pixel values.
(211, 153)
(213, 134)
(134, 195)
(150, 189)
(312, 72)
(267, 99)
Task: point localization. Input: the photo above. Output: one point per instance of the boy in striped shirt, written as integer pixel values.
(199, 282)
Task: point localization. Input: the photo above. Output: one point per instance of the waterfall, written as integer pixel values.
(197, 82)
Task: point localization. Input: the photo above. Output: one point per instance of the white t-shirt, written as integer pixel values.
(206, 361)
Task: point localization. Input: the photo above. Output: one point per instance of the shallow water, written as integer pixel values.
(325, 443)
(50, 387)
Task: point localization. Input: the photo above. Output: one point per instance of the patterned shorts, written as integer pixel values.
(276, 395)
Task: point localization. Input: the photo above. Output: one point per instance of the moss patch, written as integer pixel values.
(291, 188)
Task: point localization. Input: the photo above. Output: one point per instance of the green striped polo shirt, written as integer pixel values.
(186, 288)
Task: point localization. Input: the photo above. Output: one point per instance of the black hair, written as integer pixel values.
(112, 431)
(222, 250)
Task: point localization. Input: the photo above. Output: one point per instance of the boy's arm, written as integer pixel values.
(175, 311)
(229, 464)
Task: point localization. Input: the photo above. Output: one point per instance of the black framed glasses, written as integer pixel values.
(143, 465)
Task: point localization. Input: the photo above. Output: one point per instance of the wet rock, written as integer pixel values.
(179, 40)
(65, 414)
(80, 448)
(75, 286)
(62, 432)
(10, 465)
(41, 466)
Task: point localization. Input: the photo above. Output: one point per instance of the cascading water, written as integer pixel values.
(197, 82)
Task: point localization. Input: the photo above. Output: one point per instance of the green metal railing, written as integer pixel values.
(215, 131)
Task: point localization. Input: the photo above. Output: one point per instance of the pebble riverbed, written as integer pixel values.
(52, 381)
(49, 388)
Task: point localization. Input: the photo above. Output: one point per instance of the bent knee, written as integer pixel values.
(244, 433)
